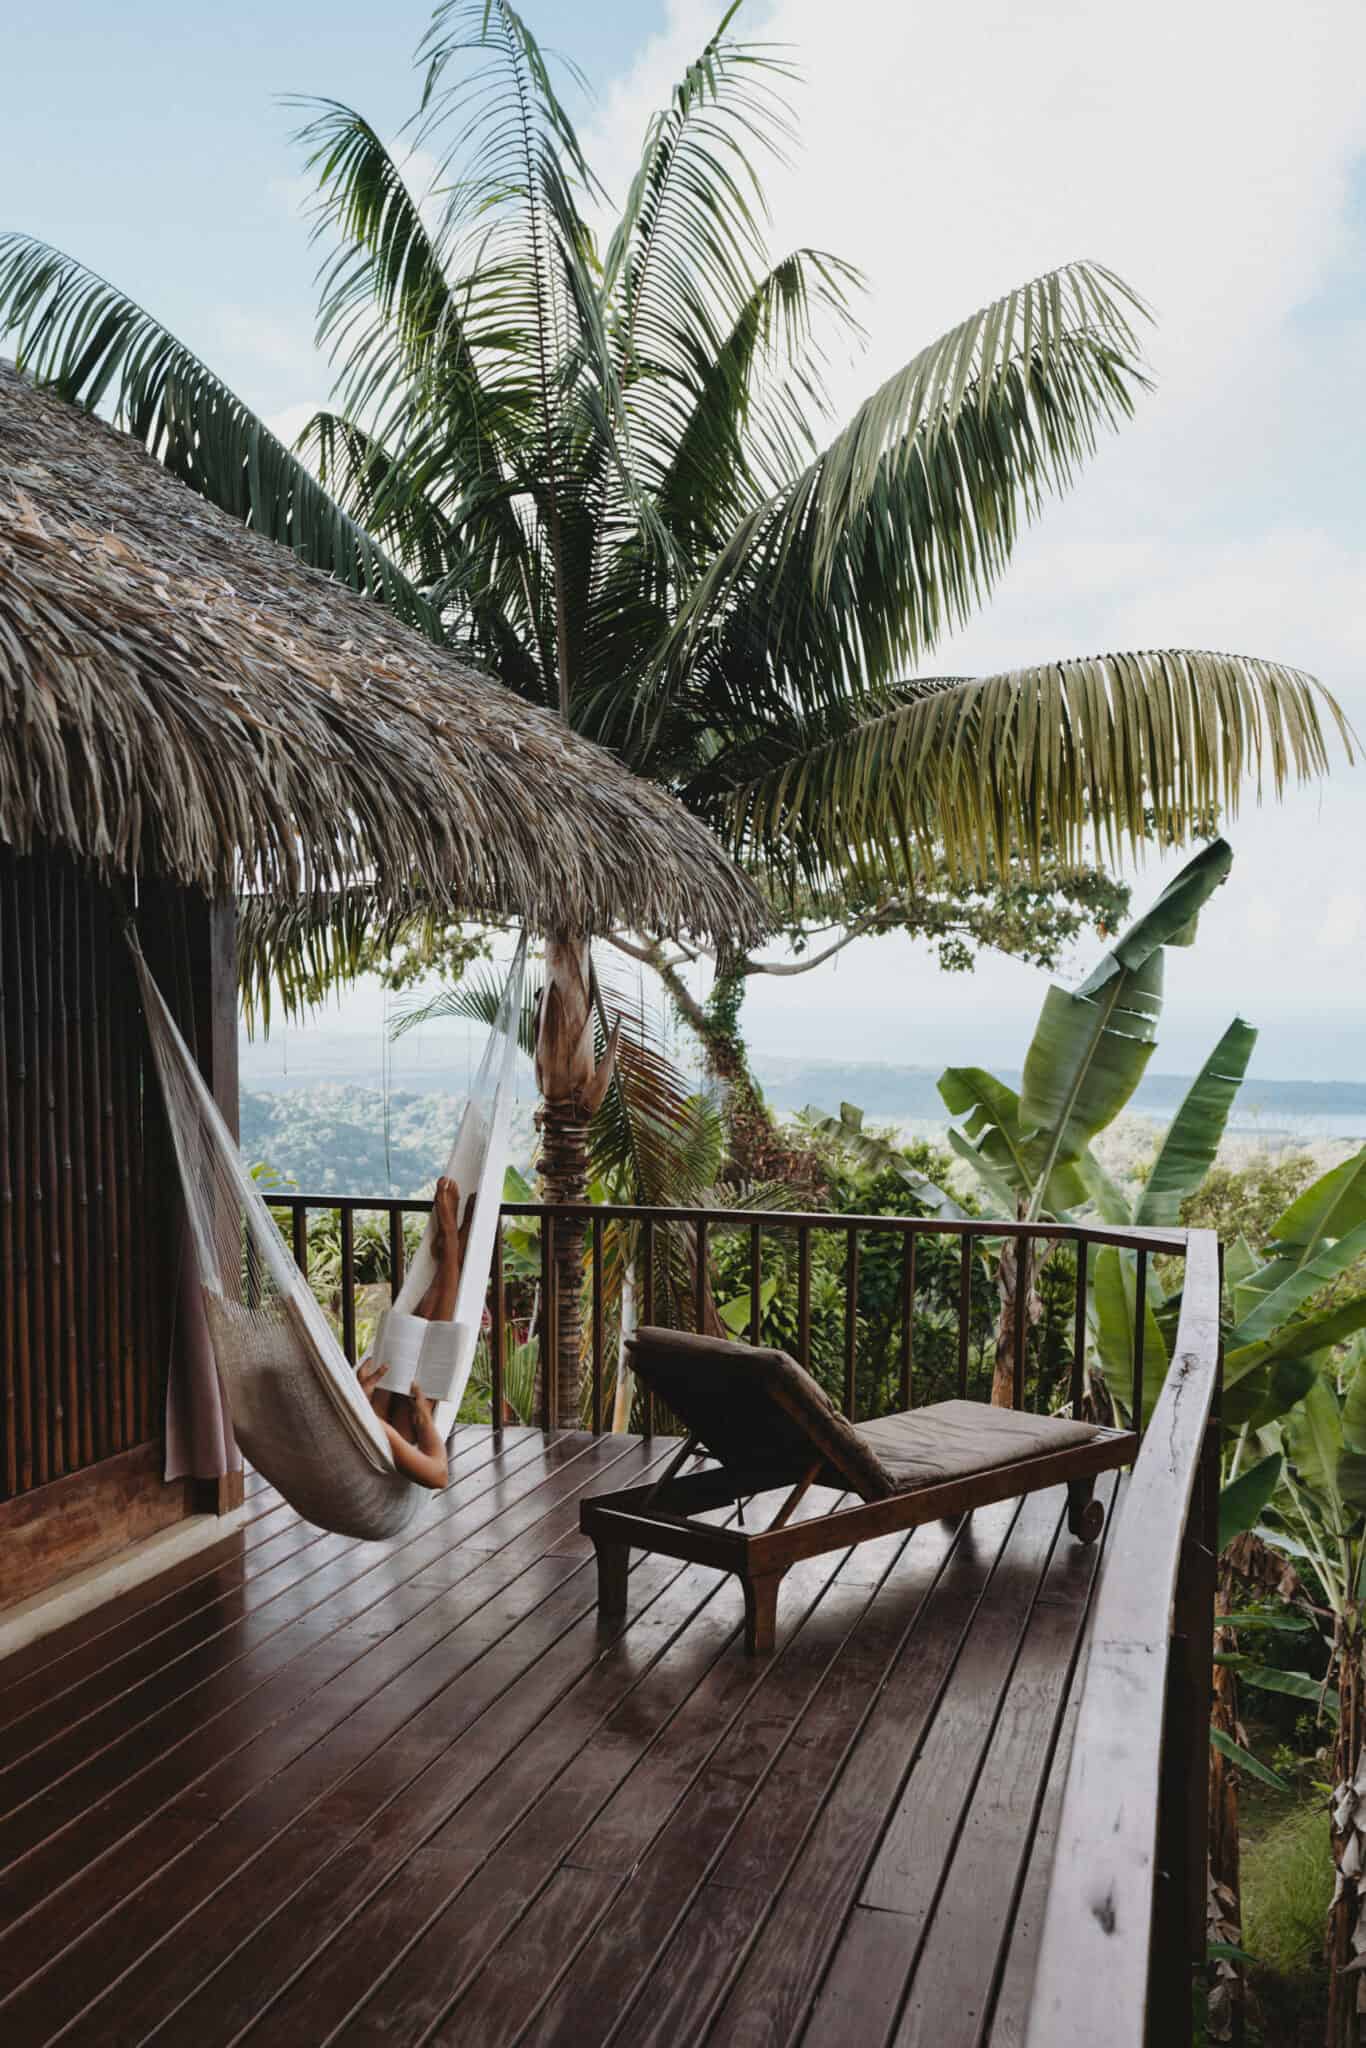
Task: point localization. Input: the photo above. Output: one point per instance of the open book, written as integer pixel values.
(411, 1348)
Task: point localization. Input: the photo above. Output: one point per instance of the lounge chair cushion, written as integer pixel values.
(954, 1439)
(767, 1420)
(757, 1411)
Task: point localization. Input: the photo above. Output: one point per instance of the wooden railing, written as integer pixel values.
(1124, 1924)
(665, 1243)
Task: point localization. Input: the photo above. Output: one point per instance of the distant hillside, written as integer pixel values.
(329, 1136)
(331, 1139)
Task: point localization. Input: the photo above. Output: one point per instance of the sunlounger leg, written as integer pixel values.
(761, 1613)
(614, 1564)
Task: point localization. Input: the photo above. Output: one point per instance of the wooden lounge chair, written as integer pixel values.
(768, 1425)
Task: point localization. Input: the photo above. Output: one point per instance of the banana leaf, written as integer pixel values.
(882, 1155)
(1192, 1140)
(1298, 1339)
(1315, 1443)
(1298, 1684)
(1009, 1161)
(1246, 1761)
(1243, 1501)
(1263, 1396)
(1277, 1304)
(1108, 1199)
(1091, 1046)
(1114, 1293)
(1331, 1206)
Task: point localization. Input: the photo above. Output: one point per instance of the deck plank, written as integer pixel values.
(41, 1674)
(275, 1773)
(298, 1790)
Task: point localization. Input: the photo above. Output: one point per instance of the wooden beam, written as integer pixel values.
(1092, 1981)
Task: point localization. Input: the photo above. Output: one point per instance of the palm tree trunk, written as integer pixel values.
(572, 1083)
(1347, 1915)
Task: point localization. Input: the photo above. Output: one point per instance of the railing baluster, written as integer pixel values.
(756, 1311)
(497, 1330)
(647, 1305)
(964, 1314)
(597, 1326)
(299, 1235)
(804, 1294)
(1021, 1330)
(700, 1274)
(397, 1251)
(907, 1315)
(851, 1263)
(1078, 1386)
(1140, 1319)
(348, 1282)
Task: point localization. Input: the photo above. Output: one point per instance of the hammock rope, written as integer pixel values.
(296, 1403)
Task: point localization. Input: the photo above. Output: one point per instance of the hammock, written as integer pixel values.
(297, 1406)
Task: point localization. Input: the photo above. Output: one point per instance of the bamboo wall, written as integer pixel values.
(86, 1260)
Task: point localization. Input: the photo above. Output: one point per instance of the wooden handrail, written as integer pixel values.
(1135, 1239)
(1097, 1946)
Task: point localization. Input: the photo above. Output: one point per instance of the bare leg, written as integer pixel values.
(448, 1245)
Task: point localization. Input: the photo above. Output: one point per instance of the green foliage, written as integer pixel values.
(1088, 1053)
(1245, 1760)
(339, 1139)
(1244, 1201)
(1188, 1151)
(1244, 1500)
(1287, 1883)
(865, 1175)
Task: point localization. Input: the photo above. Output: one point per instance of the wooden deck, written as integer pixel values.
(299, 1790)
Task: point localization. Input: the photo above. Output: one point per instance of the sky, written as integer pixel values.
(1213, 154)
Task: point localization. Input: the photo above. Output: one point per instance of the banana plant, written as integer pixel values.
(1091, 1045)
(1319, 1515)
(1031, 1151)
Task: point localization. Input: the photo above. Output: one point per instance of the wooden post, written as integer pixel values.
(212, 948)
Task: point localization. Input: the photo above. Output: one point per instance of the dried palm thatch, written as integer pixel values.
(179, 695)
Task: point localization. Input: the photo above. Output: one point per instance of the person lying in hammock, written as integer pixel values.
(408, 1419)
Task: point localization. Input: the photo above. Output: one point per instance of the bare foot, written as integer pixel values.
(446, 1205)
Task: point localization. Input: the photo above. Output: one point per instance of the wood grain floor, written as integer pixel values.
(301, 1790)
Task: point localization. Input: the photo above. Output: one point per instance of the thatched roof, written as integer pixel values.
(180, 696)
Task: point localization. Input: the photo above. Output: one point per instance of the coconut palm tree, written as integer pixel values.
(596, 454)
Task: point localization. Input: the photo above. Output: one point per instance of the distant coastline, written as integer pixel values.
(328, 1128)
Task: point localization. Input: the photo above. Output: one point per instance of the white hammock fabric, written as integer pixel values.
(296, 1403)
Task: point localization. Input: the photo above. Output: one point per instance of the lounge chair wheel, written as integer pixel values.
(1085, 1515)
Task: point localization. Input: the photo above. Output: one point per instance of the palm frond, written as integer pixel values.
(513, 174)
(689, 247)
(83, 337)
(1117, 749)
(900, 527)
(745, 431)
(293, 951)
(654, 1133)
(477, 997)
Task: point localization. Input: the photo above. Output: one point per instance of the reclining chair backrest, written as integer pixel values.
(757, 1411)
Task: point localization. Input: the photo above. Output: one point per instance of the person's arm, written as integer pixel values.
(424, 1460)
